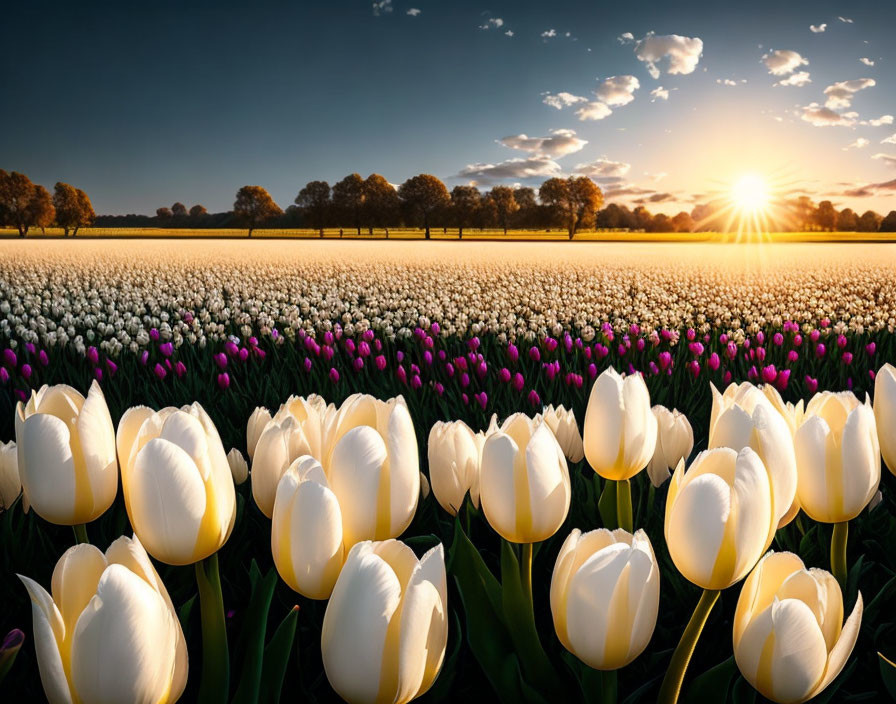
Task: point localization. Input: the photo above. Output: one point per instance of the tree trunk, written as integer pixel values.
(387, 233)
(250, 231)
(460, 232)
(23, 230)
(321, 233)
(359, 229)
(426, 224)
(75, 232)
(369, 230)
(505, 230)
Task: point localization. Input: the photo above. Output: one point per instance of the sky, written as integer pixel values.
(664, 104)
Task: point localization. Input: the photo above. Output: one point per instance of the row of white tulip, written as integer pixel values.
(342, 484)
(50, 296)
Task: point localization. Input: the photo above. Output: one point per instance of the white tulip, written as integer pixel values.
(455, 453)
(620, 430)
(792, 413)
(605, 595)
(386, 627)
(239, 468)
(885, 413)
(838, 457)
(374, 470)
(790, 641)
(109, 632)
(260, 417)
(524, 483)
(674, 442)
(66, 454)
(10, 484)
(746, 418)
(177, 484)
(719, 516)
(306, 530)
(563, 424)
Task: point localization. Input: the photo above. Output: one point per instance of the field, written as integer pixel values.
(461, 333)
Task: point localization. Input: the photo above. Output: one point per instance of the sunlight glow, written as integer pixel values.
(750, 193)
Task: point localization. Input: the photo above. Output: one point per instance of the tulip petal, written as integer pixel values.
(97, 442)
(604, 422)
(844, 646)
(549, 485)
(126, 436)
(49, 631)
(74, 581)
(752, 509)
(361, 483)
(811, 441)
(696, 528)
(404, 469)
(497, 479)
(861, 461)
(639, 425)
(48, 469)
(760, 587)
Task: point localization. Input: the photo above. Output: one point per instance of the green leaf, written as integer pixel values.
(276, 658)
(185, 611)
(607, 505)
(712, 685)
(743, 692)
(888, 674)
(252, 637)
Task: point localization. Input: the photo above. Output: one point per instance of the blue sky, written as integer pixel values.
(142, 105)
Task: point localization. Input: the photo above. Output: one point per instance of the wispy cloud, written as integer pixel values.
(839, 95)
(818, 28)
(603, 170)
(860, 143)
(529, 168)
(382, 7)
(798, 79)
(865, 60)
(847, 20)
(783, 61)
(659, 93)
(821, 116)
(888, 159)
(492, 22)
(558, 143)
(594, 110)
(549, 34)
(879, 121)
(562, 99)
(413, 12)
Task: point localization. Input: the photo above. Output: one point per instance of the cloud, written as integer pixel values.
(382, 7)
(659, 93)
(847, 20)
(557, 144)
(726, 82)
(860, 143)
(821, 116)
(593, 111)
(625, 38)
(783, 61)
(655, 198)
(889, 140)
(495, 22)
(603, 170)
(865, 60)
(888, 159)
(872, 189)
(533, 167)
(817, 28)
(549, 34)
(683, 53)
(562, 99)
(879, 121)
(798, 79)
(839, 95)
(509, 33)
(618, 90)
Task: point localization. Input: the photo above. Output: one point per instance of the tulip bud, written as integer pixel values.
(10, 484)
(620, 430)
(790, 641)
(306, 530)
(374, 468)
(386, 627)
(178, 489)
(454, 453)
(719, 516)
(838, 457)
(674, 442)
(563, 424)
(66, 454)
(260, 417)
(605, 595)
(744, 417)
(524, 483)
(885, 413)
(238, 466)
(109, 632)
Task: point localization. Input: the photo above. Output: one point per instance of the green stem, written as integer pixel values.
(624, 505)
(838, 552)
(215, 683)
(80, 533)
(609, 691)
(526, 573)
(671, 686)
(651, 498)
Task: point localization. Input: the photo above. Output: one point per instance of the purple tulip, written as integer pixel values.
(334, 375)
(696, 348)
(231, 348)
(482, 398)
(870, 349)
(760, 353)
(504, 375)
(811, 384)
(154, 335)
(144, 357)
(166, 348)
(727, 378)
(592, 370)
(694, 368)
(160, 371)
(792, 356)
(29, 347)
(752, 373)
(244, 353)
(651, 366)
(402, 374)
(550, 344)
(778, 339)
(368, 335)
(358, 363)
(513, 353)
(820, 350)
(731, 350)
(449, 369)
(4, 375)
(427, 358)
(665, 359)
(769, 374)
(438, 388)
(435, 328)
(691, 334)
(223, 381)
(111, 366)
(415, 382)
(814, 335)
(482, 370)
(760, 337)
(326, 352)
(93, 355)
(26, 371)
(180, 369)
(713, 362)
(364, 349)
(307, 364)
(328, 338)
(534, 398)
(42, 358)
(473, 343)
(847, 358)
(782, 380)
(797, 340)
(221, 360)
(518, 381)
(464, 380)
(534, 354)
(380, 362)
(21, 395)
(98, 373)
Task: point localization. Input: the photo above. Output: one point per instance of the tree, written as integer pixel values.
(465, 201)
(254, 206)
(888, 224)
(575, 200)
(641, 218)
(164, 213)
(41, 212)
(348, 199)
(314, 199)
(526, 215)
(505, 204)
(660, 223)
(683, 222)
(826, 215)
(422, 195)
(179, 210)
(869, 222)
(381, 203)
(847, 220)
(73, 208)
(801, 213)
(614, 217)
(16, 195)
(198, 211)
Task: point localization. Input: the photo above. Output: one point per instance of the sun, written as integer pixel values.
(749, 194)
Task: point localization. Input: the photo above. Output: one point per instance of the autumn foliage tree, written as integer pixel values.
(73, 208)
(23, 204)
(254, 206)
(505, 204)
(381, 204)
(314, 200)
(465, 200)
(348, 199)
(576, 200)
(423, 195)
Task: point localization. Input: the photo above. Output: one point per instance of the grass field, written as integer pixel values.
(470, 234)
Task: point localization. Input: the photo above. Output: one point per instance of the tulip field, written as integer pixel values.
(385, 472)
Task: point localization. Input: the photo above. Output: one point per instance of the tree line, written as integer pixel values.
(364, 204)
